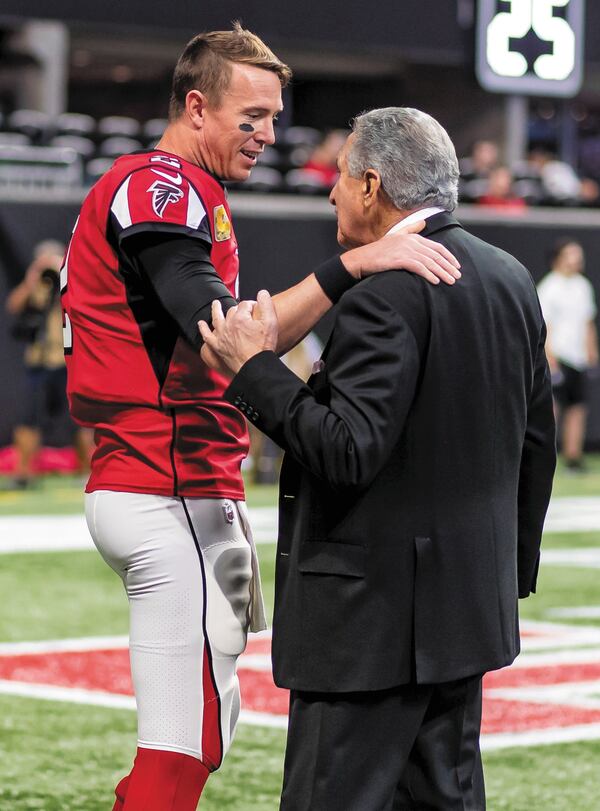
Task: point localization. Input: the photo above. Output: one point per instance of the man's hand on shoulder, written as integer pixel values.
(246, 330)
(404, 250)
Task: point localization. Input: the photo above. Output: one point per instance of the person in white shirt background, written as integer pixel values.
(569, 308)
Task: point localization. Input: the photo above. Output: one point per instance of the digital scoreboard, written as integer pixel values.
(530, 47)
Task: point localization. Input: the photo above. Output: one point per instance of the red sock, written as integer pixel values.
(164, 781)
(120, 792)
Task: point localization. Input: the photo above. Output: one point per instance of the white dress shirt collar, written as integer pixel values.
(421, 214)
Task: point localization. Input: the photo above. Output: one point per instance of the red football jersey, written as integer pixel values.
(161, 424)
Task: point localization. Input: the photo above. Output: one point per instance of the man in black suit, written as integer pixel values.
(418, 469)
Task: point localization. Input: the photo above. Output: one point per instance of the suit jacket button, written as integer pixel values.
(237, 400)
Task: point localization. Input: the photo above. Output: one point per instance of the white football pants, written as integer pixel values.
(191, 575)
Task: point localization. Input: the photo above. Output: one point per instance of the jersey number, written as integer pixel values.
(516, 24)
(64, 279)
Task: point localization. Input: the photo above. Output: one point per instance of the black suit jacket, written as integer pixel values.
(417, 475)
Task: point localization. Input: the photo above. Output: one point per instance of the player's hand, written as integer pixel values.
(246, 330)
(404, 250)
(213, 360)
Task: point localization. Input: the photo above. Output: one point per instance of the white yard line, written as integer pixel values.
(53, 533)
(115, 701)
(540, 737)
(585, 695)
(582, 694)
(581, 514)
(96, 698)
(556, 635)
(64, 645)
(588, 558)
(584, 612)
(41, 533)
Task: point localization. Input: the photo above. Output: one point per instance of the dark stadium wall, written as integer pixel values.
(276, 251)
(429, 28)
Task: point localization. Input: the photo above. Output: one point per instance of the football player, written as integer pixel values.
(153, 246)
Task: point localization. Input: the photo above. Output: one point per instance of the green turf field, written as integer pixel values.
(67, 757)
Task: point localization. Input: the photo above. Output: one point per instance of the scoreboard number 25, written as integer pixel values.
(530, 46)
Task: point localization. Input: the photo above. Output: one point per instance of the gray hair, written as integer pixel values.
(413, 154)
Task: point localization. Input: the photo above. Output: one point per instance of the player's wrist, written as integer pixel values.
(335, 278)
(352, 262)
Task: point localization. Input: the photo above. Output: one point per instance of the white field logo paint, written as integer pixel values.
(550, 695)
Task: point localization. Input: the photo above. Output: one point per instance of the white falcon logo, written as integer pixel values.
(163, 193)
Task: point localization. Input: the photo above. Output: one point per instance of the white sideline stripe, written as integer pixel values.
(23, 533)
(581, 612)
(62, 645)
(247, 661)
(263, 719)
(561, 657)
(97, 698)
(557, 635)
(54, 533)
(578, 514)
(578, 558)
(583, 694)
(540, 737)
(503, 740)
(255, 661)
(75, 695)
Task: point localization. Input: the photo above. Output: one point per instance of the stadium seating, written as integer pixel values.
(75, 124)
(114, 125)
(118, 145)
(83, 146)
(280, 168)
(32, 123)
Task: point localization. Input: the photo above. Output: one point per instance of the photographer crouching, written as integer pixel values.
(35, 306)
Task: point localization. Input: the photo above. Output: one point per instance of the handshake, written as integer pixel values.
(247, 329)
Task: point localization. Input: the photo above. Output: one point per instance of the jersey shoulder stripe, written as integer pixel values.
(158, 199)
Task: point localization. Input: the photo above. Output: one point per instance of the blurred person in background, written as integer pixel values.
(483, 159)
(560, 181)
(569, 308)
(154, 245)
(323, 161)
(499, 191)
(38, 322)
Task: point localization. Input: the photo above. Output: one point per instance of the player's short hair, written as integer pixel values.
(413, 154)
(206, 61)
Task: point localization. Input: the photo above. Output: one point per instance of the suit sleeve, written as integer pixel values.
(538, 462)
(372, 370)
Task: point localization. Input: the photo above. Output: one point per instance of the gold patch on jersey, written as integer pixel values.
(222, 224)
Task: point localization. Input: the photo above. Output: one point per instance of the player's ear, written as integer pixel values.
(195, 105)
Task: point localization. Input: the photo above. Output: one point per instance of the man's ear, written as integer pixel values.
(370, 187)
(195, 105)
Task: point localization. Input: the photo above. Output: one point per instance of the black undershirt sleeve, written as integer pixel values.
(182, 275)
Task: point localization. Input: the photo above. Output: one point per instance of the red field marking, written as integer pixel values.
(543, 675)
(108, 671)
(502, 715)
(260, 645)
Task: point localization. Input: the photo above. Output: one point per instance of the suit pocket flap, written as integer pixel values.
(332, 557)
